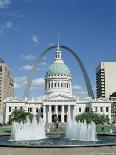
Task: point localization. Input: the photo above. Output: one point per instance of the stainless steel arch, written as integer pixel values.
(84, 72)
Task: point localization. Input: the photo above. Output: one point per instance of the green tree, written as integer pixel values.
(92, 117)
(20, 115)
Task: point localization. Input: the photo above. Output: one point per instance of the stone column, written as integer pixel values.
(69, 113)
(34, 110)
(109, 113)
(62, 114)
(74, 112)
(50, 114)
(44, 114)
(56, 110)
(98, 110)
(104, 110)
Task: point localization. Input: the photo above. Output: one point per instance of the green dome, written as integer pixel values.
(58, 69)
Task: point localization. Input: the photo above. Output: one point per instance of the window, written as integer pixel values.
(65, 108)
(30, 109)
(79, 109)
(58, 84)
(61, 84)
(87, 109)
(21, 108)
(41, 109)
(54, 84)
(95, 109)
(106, 109)
(59, 108)
(101, 109)
(9, 109)
(37, 110)
(49, 84)
(67, 85)
(53, 108)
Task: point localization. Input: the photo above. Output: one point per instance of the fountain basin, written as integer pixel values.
(103, 140)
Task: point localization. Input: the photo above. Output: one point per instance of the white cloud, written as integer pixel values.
(26, 68)
(29, 57)
(8, 24)
(77, 87)
(51, 44)
(4, 3)
(19, 79)
(20, 82)
(39, 82)
(17, 85)
(35, 40)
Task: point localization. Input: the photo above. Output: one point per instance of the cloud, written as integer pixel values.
(77, 87)
(19, 79)
(29, 57)
(26, 67)
(20, 82)
(8, 24)
(37, 83)
(51, 44)
(4, 3)
(35, 40)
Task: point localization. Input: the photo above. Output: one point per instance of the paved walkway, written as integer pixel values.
(59, 151)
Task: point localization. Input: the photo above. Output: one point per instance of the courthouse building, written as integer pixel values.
(58, 98)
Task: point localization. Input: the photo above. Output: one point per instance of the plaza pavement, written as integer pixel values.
(104, 150)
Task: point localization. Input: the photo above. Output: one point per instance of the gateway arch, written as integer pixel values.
(39, 60)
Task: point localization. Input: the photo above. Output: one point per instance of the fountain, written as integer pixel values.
(81, 131)
(28, 131)
(32, 134)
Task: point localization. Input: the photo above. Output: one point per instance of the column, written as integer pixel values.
(74, 112)
(44, 114)
(98, 110)
(109, 113)
(104, 110)
(69, 113)
(50, 114)
(62, 114)
(56, 110)
(34, 110)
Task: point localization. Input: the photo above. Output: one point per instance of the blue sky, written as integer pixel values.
(27, 27)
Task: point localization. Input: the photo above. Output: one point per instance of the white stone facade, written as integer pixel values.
(65, 107)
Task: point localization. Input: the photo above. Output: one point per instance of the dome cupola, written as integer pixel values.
(58, 67)
(58, 77)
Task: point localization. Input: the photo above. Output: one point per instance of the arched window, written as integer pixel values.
(55, 84)
(52, 85)
(67, 85)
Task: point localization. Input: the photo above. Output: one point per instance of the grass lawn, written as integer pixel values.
(5, 129)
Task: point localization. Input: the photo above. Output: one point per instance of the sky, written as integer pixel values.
(28, 27)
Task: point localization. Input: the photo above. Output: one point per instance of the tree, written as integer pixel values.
(92, 117)
(20, 115)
